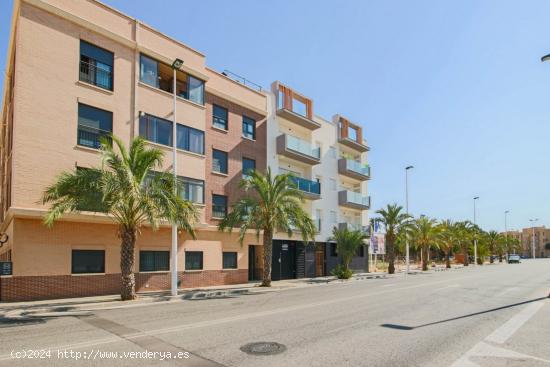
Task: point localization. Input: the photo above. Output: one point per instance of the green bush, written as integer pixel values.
(341, 273)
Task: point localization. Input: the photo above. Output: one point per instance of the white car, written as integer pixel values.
(513, 259)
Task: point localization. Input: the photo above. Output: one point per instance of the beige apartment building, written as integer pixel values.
(80, 70)
(525, 237)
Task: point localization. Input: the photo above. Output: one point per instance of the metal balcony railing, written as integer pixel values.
(90, 136)
(96, 75)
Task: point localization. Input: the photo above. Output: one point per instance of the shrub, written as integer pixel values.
(341, 273)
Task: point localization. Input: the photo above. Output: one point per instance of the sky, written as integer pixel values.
(454, 88)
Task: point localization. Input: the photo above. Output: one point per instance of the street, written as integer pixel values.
(492, 315)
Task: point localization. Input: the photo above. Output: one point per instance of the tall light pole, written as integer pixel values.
(506, 232)
(407, 258)
(533, 236)
(475, 235)
(176, 65)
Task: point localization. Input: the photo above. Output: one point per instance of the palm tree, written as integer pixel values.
(129, 190)
(347, 243)
(463, 238)
(270, 203)
(426, 234)
(448, 240)
(492, 238)
(394, 220)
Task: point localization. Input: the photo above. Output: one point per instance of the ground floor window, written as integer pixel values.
(193, 260)
(333, 250)
(360, 251)
(154, 260)
(88, 261)
(230, 260)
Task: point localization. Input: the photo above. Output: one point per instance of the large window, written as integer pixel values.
(193, 260)
(219, 206)
(159, 75)
(93, 123)
(219, 117)
(96, 66)
(155, 129)
(158, 130)
(154, 260)
(219, 161)
(88, 261)
(193, 190)
(249, 128)
(249, 165)
(190, 139)
(229, 260)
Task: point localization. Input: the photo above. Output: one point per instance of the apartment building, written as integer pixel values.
(525, 237)
(329, 161)
(78, 70)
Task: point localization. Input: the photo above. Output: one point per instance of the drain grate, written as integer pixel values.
(263, 348)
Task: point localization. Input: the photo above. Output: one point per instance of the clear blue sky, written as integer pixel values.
(454, 88)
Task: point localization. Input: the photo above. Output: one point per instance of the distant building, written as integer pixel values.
(525, 237)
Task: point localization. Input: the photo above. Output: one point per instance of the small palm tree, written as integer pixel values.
(394, 220)
(127, 188)
(492, 239)
(463, 238)
(448, 240)
(270, 203)
(347, 244)
(426, 234)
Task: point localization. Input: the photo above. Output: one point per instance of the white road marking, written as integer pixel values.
(506, 330)
(507, 290)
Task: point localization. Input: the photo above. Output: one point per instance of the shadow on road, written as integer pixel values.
(405, 327)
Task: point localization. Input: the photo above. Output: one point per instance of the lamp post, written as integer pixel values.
(475, 234)
(174, 253)
(407, 258)
(506, 232)
(533, 236)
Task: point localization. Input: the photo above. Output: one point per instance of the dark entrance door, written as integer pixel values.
(320, 260)
(251, 262)
(284, 260)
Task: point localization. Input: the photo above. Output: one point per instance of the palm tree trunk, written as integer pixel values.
(268, 253)
(391, 257)
(127, 248)
(466, 260)
(448, 259)
(499, 258)
(424, 258)
(491, 260)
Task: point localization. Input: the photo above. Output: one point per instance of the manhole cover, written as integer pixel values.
(263, 348)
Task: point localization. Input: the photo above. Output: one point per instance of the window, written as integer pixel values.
(88, 261)
(360, 252)
(219, 117)
(155, 129)
(193, 260)
(96, 66)
(93, 123)
(332, 152)
(193, 190)
(190, 139)
(161, 76)
(219, 206)
(333, 250)
(332, 184)
(229, 260)
(352, 133)
(249, 128)
(332, 216)
(249, 165)
(154, 260)
(219, 161)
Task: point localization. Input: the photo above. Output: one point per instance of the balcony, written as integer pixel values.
(354, 227)
(353, 144)
(298, 149)
(298, 119)
(354, 200)
(91, 136)
(310, 189)
(98, 75)
(353, 169)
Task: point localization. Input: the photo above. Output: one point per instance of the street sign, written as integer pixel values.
(5, 268)
(285, 247)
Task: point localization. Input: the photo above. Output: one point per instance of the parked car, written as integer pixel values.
(513, 259)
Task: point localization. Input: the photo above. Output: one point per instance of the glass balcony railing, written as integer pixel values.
(303, 147)
(312, 187)
(357, 167)
(357, 198)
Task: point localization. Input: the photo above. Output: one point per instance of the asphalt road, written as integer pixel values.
(493, 315)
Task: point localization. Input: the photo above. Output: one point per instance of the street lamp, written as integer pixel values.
(506, 232)
(545, 58)
(533, 235)
(475, 235)
(176, 65)
(407, 258)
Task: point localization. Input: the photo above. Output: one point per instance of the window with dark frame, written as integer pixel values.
(193, 190)
(219, 206)
(360, 252)
(87, 261)
(219, 161)
(333, 250)
(229, 260)
(219, 117)
(154, 261)
(249, 165)
(96, 65)
(249, 128)
(159, 131)
(193, 260)
(93, 123)
(190, 139)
